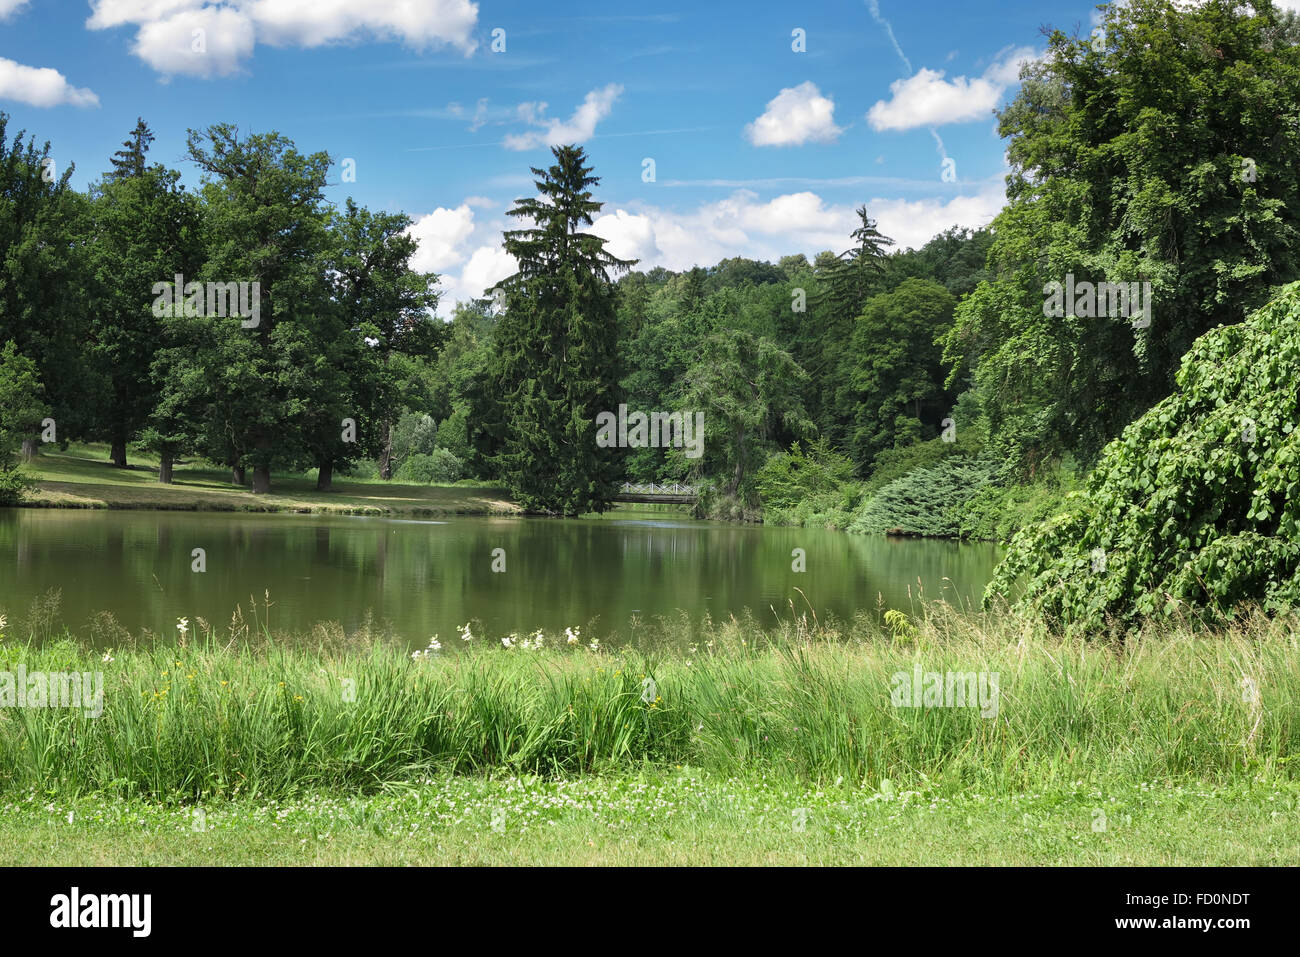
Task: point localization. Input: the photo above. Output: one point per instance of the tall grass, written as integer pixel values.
(250, 713)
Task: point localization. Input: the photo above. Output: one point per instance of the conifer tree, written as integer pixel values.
(130, 159)
(849, 280)
(556, 361)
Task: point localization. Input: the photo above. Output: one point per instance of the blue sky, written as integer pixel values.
(758, 150)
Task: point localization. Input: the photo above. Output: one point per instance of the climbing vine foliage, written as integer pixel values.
(1195, 505)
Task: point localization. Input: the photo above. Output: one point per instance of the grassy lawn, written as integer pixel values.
(753, 747)
(83, 477)
(683, 817)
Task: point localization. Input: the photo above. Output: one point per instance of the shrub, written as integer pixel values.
(439, 466)
(12, 485)
(21, 410)
(927, 501)
(453, 434)
(414, 434)
(1001, 509)
(1195, 505)
(789, 478)
(895, 463)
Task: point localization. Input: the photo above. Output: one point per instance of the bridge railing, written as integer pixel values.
(674, 488)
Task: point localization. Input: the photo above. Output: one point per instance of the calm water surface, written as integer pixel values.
(421, 577)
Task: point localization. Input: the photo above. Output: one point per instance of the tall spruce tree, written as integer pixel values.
(130, 159)
(847, 281)
(556, 361)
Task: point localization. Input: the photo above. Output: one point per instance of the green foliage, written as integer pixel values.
(555, 365)
(44, 299)
(414, 434)
(1195, 505)
(1128, 160)
(660, 353)
(22, 399)
(1001, 509)
(13, 485)
(928, 501)
(425, 468)
(813, 488)
(453, 434)
(130, 160)
(956, 259)
(902, 630)
(893, 370)
(898, 462)
(746, 388)
(147, 229)
(243, 714)
(264, 221)
(845, 282)
(22, 408)
(788, 478)
(376, 345)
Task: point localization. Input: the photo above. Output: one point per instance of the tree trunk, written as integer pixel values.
(261, 479)
(386, 458)
(118, 451)
(325, 475)
(29, 448)
(237, 476)
(165, 468)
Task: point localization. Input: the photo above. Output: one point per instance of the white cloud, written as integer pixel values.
(114, 13)
(576, 129)
(312, 23)
(10, 7)
(165, 38)
(212, 41)
(928, 99)
(913, 223)
(628, 236)
(440, 235)
(486, 267)
(742, 225)
(796, 115)
(464, 251)
(471, 261)
(1006, 65)
(476, 276)
(40, 86)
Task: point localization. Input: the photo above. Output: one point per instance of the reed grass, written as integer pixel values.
(248, 712)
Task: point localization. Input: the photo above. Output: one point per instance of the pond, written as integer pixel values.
(418, 578)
